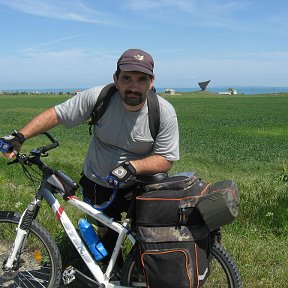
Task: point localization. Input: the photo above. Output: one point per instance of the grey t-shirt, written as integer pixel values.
(119, 134)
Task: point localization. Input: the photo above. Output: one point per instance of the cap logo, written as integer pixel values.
(139, 57)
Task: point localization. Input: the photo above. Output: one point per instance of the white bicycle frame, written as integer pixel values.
(120, 228)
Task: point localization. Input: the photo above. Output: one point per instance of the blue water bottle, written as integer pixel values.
(89, 235)
(4, 147)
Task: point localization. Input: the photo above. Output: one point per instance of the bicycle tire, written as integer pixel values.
(223, 272)
(40, 263)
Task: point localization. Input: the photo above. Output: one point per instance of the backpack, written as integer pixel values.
(103, 101)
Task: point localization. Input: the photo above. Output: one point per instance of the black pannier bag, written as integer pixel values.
(173, 220)
(172, 257)
(172, 236)
(171, 202)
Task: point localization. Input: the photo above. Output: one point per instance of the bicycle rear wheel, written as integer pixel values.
(40, 263)
(222, 270)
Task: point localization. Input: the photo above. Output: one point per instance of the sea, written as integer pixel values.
(240, 90)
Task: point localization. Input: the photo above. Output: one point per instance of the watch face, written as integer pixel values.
(119, 172)
(9, 137)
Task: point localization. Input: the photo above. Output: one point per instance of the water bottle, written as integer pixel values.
(89, 235)
(4, 147)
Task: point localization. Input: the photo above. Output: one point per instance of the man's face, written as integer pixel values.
(133, 87)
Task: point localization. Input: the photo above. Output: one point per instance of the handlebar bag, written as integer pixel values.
(62, 183)
(173, 257)
(220, 205)
(171, 201)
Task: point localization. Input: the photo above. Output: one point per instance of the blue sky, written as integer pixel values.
(76, 43)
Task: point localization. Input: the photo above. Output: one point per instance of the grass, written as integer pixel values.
(241, 137)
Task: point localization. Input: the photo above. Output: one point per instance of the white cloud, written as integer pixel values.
(205, 13)
(255, 69)
(205, 8)
(48, 43)
(72, 10)
(57, 69)
(85, 68)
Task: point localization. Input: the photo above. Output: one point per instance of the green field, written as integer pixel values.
(241, 137)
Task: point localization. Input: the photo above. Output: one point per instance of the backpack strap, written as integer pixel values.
(153, 113)
(101, 105)
(103, 100)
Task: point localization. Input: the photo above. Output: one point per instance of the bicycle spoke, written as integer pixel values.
(34, 268)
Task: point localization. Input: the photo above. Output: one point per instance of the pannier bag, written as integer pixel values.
(220, 205)
(172, 257)
(172, 237)
(171, 202)
(173, 220)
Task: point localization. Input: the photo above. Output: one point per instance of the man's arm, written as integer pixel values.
(151, 165)
(41, 123)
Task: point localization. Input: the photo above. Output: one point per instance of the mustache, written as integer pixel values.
(134, 93)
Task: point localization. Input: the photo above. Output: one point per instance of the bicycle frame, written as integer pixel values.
(44, 192)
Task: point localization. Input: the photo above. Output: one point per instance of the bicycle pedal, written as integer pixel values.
(68, 275)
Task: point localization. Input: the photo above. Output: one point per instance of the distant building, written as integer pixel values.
(170, 91)
(230, 91)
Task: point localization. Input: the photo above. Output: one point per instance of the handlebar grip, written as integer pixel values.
(49, 147)
(5, 147)
(51, 138)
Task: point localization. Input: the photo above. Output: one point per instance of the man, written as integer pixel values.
(122, 145)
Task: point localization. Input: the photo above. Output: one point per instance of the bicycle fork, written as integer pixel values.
(22, 233)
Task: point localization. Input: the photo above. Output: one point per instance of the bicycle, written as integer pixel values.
(31, 258)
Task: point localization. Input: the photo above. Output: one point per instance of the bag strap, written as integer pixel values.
(103, 101)
(153, 113)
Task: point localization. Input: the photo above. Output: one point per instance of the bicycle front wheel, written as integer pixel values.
(39, 265)
(222, 270)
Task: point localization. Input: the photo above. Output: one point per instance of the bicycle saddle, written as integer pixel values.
(152, 178)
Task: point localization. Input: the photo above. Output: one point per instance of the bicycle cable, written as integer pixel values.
(115, 183)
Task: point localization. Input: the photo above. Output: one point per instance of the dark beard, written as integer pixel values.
(133, 98)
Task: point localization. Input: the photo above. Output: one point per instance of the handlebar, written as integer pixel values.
(34, 158)
(36, 153)
(5, 147)
(44, 149)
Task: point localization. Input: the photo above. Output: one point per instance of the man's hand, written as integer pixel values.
(121, 173)
(14, 141)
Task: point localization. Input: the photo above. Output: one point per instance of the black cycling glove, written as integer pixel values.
(121, 173)
(14, 140)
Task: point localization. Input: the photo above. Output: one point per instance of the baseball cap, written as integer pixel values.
(136, 60)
